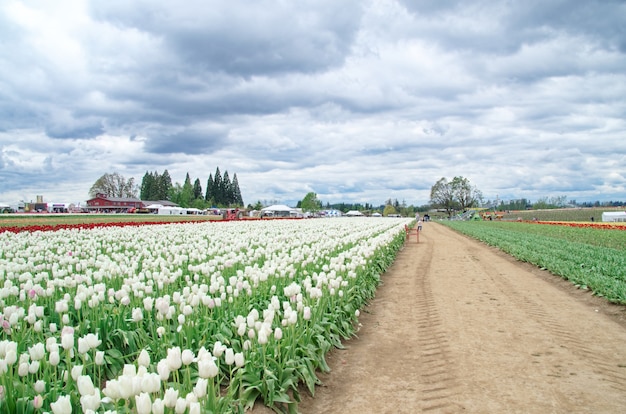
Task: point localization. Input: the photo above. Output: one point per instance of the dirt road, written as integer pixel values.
(460, 327)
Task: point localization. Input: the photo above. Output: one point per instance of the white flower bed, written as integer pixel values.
(157, 318)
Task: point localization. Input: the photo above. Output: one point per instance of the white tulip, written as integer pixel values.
(143, 404)
(187, 357)
(91, 402)
(54, 358)
(143, 359)
(62, 405)
(163, 370)
(40, 386)
(99, 359)
(37, 351)
(174, 358)
(170, 398)
(85, 385)
(239, 360)
(67, 338)
(77, 371)
(158, 407)
(200, 388)
(229, 356)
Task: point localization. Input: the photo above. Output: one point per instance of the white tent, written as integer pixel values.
(614, 216)
(353, 213)
(278, 210)
(169, 211)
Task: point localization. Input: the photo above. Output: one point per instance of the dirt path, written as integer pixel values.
(460, 327)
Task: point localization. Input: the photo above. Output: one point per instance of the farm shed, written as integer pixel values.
(609, 216)
(102, 202)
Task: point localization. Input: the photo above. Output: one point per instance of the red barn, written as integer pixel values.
(107, 204)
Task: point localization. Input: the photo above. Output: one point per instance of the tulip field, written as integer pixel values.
(196, 317)
(590, 255)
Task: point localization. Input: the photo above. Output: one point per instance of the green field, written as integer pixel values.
(592, 259)
(562, 214)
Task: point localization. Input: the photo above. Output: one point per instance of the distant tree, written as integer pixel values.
(218, 196)
(389, 209)
(465, 194)
(227, 191)
(176, 194)
(155, 186)
(310, 203)
(209, 196)
(148, 186)
(442, 196)
(187, 193)
(114, 185)
(199, 203)
(456, 194)
(164, 187)
(197, 189)
(238, 199)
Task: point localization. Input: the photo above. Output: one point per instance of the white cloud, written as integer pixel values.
(358, 101)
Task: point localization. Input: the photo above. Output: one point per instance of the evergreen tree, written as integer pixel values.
(164, 187)
(217, 188)
(187, 193)
(148, 184)
(238, 200)
(197, 189)
(227, 190)
(209, 197)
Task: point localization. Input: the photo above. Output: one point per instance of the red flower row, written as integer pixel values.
(603, 226)
(55, 227)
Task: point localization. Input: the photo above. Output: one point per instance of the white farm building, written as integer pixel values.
(612, 216)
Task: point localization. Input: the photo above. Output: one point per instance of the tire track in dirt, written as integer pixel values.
(568, 339)
(436, 371)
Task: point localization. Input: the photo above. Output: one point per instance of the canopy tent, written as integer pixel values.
(278, 210)
(354, 213)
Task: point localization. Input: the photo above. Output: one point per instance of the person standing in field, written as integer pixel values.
(419, 225)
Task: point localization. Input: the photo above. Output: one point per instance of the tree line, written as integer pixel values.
(453, 195)
(220, 191)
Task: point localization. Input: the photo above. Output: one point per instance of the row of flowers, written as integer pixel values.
(605, 226)
(180, 318)
(85, 226)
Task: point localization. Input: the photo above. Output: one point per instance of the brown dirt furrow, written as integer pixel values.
(458, 326)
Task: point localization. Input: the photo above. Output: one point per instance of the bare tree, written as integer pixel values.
(114, 185)
(456, 194)
(442, 196)
(465, 194)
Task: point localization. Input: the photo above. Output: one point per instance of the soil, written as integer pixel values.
(458, 326)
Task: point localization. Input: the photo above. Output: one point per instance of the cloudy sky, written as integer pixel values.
(355, 100)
